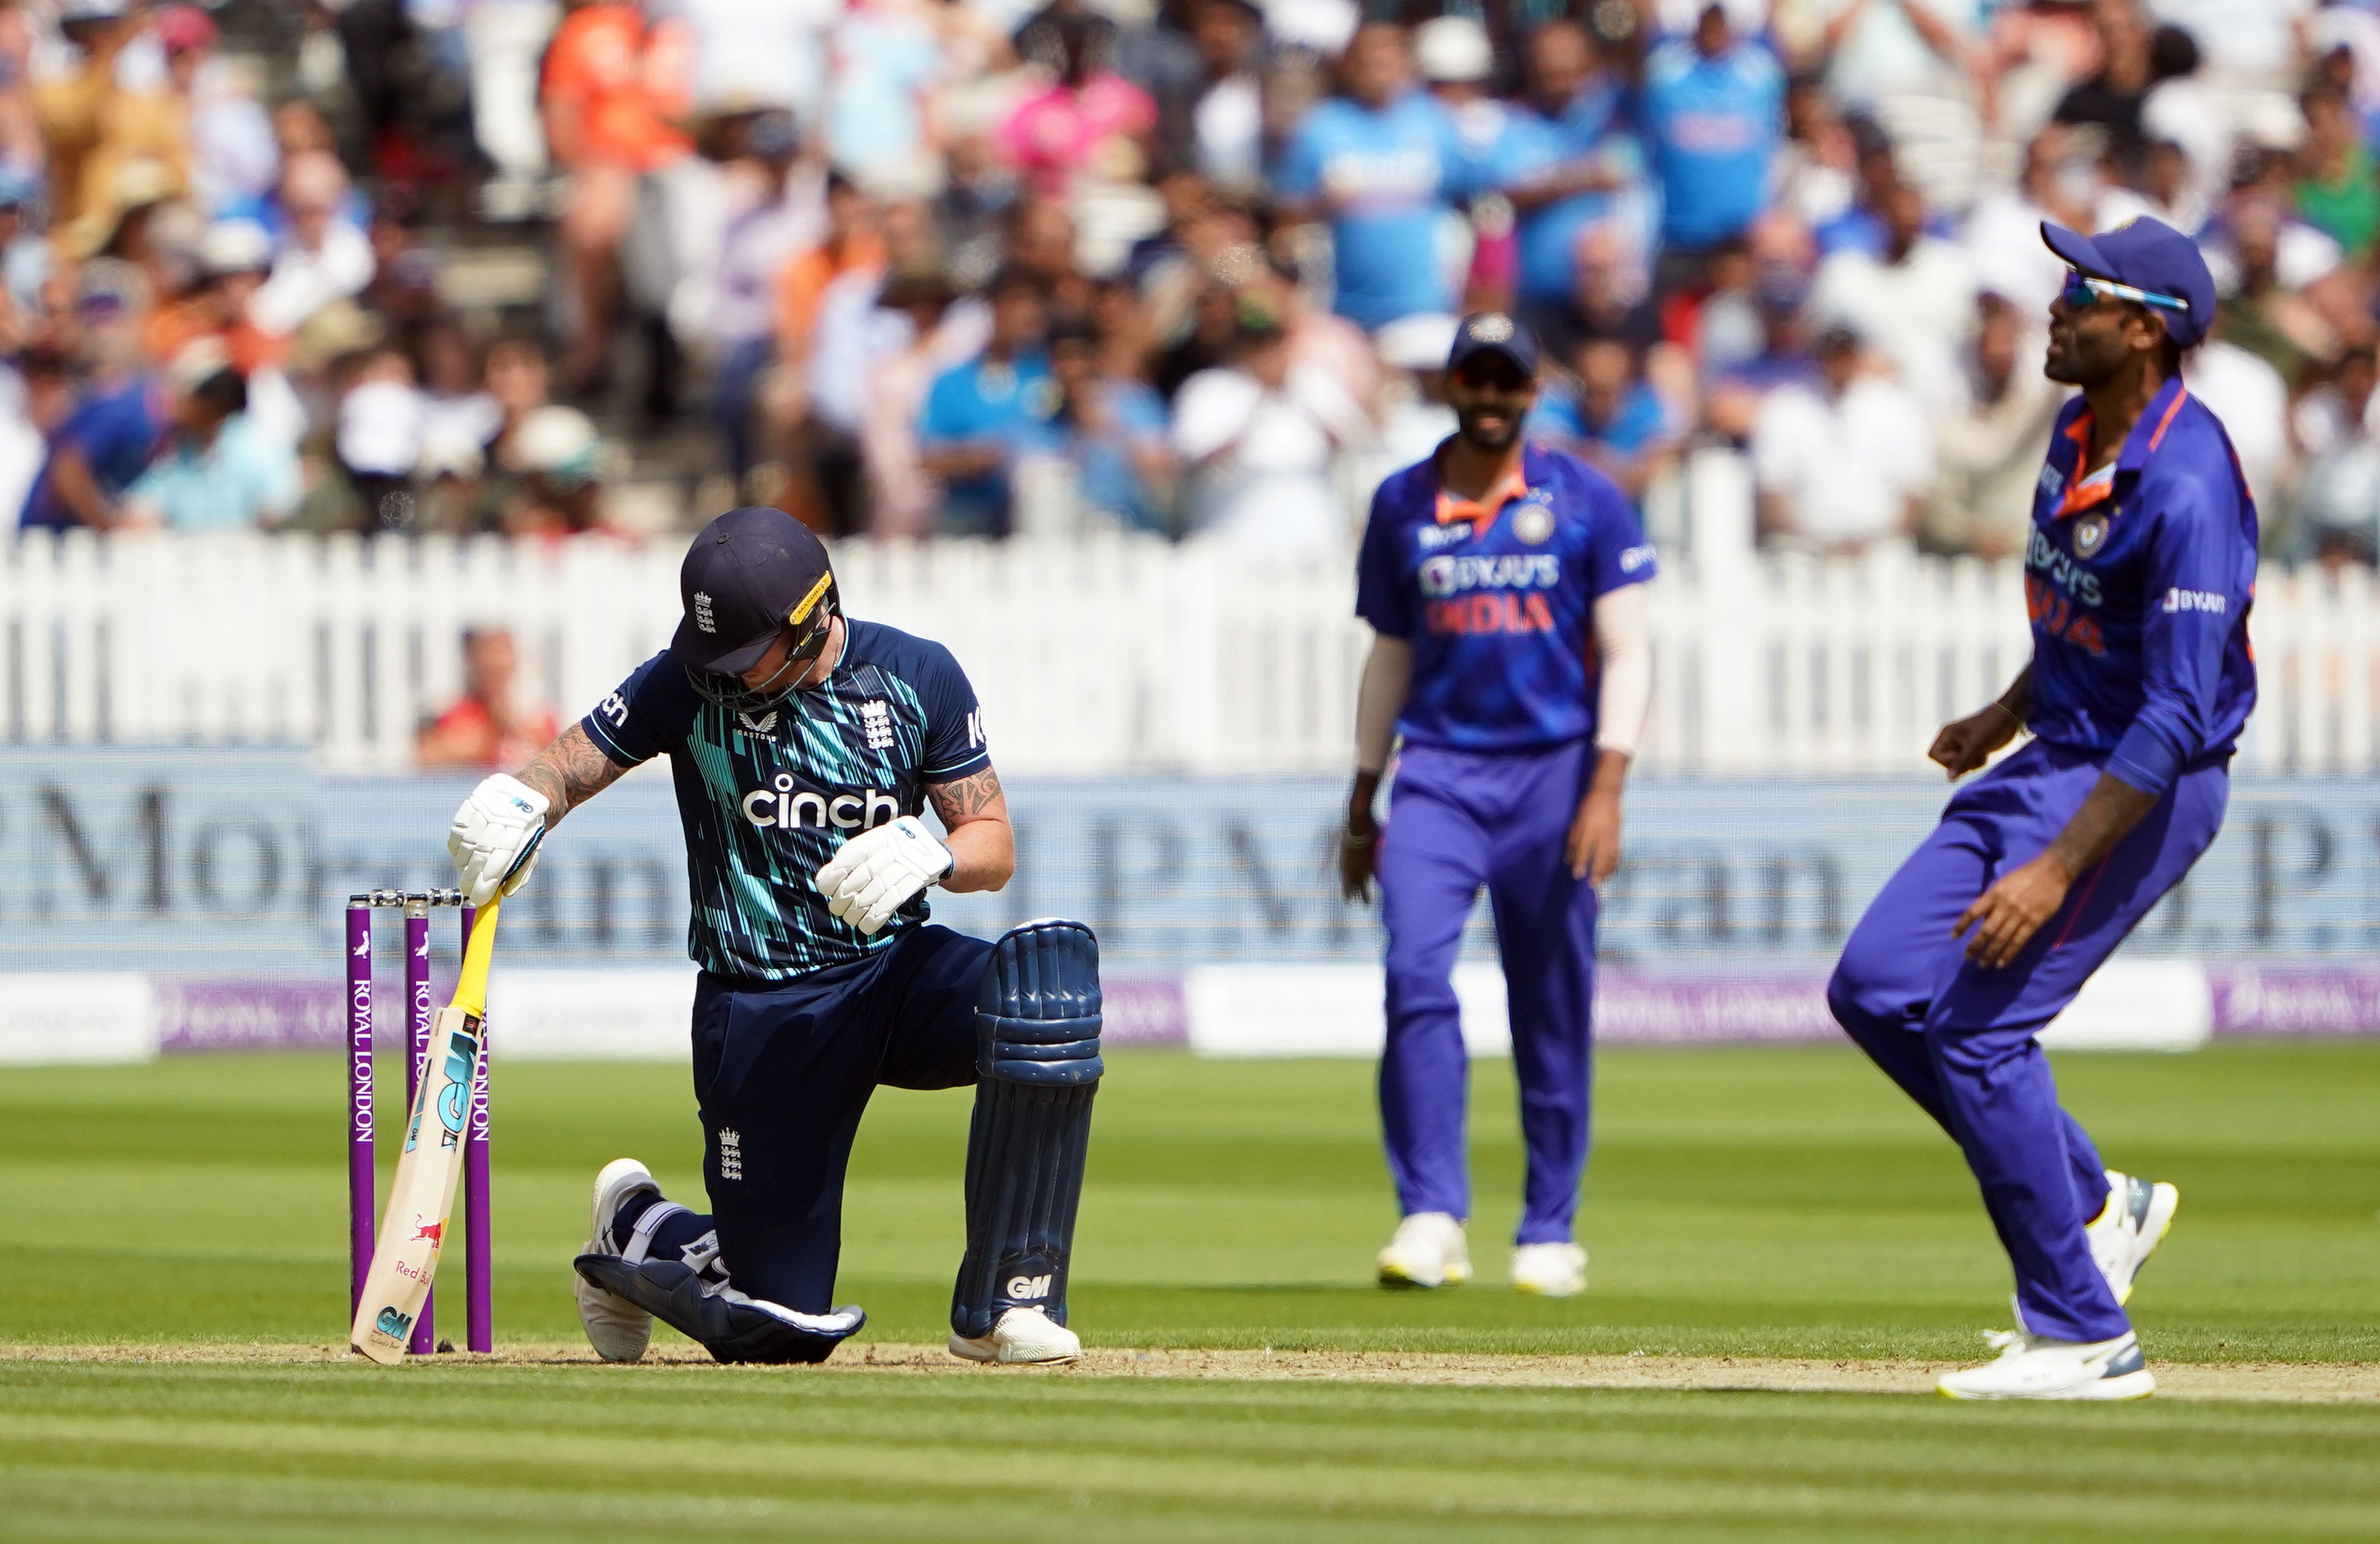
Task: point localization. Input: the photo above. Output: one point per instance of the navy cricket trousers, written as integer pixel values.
(1958, 1039)
(783, 1071)
(1458, 821)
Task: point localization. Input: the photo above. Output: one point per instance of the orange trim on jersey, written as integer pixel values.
(2166, 422)
(1450, 508)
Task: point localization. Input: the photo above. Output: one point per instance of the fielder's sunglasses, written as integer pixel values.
(2082, 289)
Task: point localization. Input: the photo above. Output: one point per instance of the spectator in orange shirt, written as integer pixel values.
(853, 243)
(485, 728)
(611, 95)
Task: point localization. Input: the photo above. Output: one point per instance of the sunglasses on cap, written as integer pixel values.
(2083, 289)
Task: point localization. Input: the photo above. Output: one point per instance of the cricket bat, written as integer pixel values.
(405, 1261)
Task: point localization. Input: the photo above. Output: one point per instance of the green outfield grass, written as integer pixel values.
(1746, 1203)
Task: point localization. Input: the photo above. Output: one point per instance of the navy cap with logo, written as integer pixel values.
(750, 574)
(2152, 258)
(1496, 333)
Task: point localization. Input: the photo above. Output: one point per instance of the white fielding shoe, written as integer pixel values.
(1427, 1251)
(617, 1329)
(1023, 1335)
(1549, 1269)
(2135, 1220)
(2032, 1366)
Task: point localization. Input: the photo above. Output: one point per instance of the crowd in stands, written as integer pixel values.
(970, 267)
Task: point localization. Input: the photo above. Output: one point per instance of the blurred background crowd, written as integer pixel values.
(977, 267)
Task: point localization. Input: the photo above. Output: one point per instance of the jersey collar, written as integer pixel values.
(2085, 492)
(1450, 508)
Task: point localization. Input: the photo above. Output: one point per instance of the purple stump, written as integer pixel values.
(477, 1240)
(419, 1014)
(360, 1181)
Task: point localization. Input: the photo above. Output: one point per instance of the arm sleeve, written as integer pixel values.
(1380, 597)
(2194, 595)
(647, 716)
(1387, 680)
(955, 744)
(1625, 697)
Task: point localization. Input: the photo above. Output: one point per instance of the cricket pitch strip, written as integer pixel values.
(2252, 1382)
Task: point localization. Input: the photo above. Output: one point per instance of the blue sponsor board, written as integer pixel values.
(204, 863)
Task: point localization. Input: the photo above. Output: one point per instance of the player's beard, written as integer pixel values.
(1497, 439)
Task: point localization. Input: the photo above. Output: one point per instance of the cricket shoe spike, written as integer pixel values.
(2126, 1232)
(617, 1329)
(1023, 1335)
(1427, 1251)
(2034, 1367)
(1549, 1269)
(731, 1326)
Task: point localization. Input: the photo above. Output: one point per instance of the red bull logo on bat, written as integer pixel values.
(434, 1231)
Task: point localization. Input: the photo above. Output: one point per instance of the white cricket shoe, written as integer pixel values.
(1022, 1335)
(1427, 1251)
(617, 1329)
(2126, 1232)
(2034, 1367)
(1549, 1269)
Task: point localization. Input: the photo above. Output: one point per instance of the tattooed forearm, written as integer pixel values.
(570, 772)
(968, 798)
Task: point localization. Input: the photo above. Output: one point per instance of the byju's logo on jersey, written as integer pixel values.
(1453, 576)
(778, 806)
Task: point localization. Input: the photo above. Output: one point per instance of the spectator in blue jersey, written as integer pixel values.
(1382, 166)
(1713, 114)
(980, 416)
(1565, 160)
(120, 417)
(1112, 431)
(219, 473)
(1614, 420)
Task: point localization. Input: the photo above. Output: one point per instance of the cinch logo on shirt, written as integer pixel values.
(780, 807)
(2195, 600)
(1453, 576)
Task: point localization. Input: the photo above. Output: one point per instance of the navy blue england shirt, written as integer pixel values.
(767, 798)
(1498, 597)
(2137, 579)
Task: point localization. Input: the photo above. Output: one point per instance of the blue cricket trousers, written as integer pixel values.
(1457, 821)
(1959, 1040)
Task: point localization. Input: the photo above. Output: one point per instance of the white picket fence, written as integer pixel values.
(1098, 655)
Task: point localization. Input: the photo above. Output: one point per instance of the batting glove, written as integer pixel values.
(878, 871)
(495, 836)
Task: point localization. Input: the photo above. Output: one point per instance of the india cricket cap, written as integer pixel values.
(1493, 333)
(751, 572)
(2147, 255)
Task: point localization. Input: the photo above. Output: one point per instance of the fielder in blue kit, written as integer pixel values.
(1503, 583)
(804, 747)
(2138, 577)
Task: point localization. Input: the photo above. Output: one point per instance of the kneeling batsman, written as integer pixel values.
(804, 747)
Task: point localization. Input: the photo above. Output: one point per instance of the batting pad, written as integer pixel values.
(1037, 1054)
